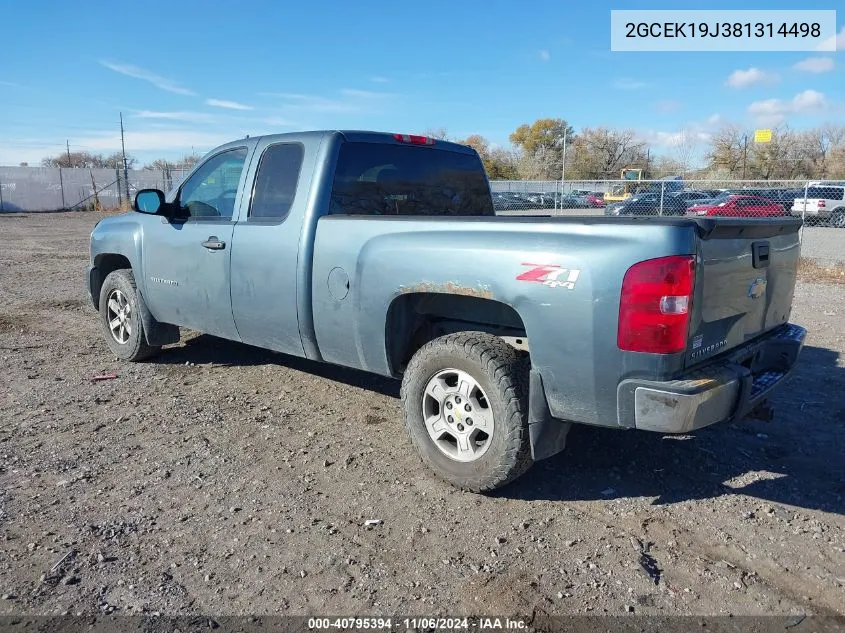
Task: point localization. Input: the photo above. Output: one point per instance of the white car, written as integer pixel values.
(824, 201)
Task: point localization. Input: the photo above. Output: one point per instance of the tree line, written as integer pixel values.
(601, 153)
(89, 160)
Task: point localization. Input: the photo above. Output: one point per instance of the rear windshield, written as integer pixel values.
(383, 179)
(826, 193)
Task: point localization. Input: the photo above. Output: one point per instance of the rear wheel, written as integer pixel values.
(120, 318)
(837, 218)
(465, 397)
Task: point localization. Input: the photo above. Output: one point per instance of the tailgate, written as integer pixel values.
(744, 283)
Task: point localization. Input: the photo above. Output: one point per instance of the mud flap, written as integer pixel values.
(547, 434)
(156, 333)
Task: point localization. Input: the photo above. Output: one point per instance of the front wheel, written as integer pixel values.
(120, 318)
(465, 397)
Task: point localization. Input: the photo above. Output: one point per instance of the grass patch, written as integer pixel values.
(812, 271)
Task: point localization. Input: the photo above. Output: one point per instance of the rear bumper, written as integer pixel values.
(727, 390)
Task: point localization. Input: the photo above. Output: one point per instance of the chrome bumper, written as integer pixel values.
(727, 390)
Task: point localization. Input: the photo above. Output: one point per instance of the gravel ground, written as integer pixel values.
(223, 479)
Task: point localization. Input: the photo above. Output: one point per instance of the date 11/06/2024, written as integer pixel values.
(721, 29)
(415, 623)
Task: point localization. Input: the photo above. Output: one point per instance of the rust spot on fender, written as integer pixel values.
(450, 288)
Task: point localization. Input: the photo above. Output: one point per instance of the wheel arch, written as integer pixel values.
(413, 319)
(104, 265)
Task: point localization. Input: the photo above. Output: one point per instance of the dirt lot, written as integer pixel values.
(225, 480)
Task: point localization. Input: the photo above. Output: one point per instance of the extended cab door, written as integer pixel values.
(266, 247)
(187, 259)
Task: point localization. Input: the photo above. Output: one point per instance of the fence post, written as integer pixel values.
(662, 186)
(62, 187)
(119, 192)
(1, 195)
(803, 212)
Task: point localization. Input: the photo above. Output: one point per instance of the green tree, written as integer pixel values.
(541, 147)
(499, 164)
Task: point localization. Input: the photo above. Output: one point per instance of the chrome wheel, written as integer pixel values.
(119, 315)
(457, 415)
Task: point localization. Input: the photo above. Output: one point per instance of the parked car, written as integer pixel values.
(732, 205)
(573, 200)
(647, 204)
(595, 199)
(542, 200)
(510, 201)
(689, 196)
(824, 202)
(382, 252)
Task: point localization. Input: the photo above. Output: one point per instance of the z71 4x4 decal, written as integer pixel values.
(551, 275)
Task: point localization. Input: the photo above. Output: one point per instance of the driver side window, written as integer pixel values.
(210, 192)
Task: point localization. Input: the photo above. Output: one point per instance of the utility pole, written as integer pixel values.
(67, 145)
(744, 153)
(563, 161)
(123, 149)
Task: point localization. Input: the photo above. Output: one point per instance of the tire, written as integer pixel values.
(837, 218)
(499, 398)
(129, 342)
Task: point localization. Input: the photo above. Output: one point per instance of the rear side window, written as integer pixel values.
(384, 179)
(826, 193)
(275, 182)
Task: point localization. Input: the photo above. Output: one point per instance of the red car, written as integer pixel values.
(736, 206)
(594, 199)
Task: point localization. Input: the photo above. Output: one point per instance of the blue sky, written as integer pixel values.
(194, 74)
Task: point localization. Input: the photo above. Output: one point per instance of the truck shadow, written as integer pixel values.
(203, 349)
(796, 460)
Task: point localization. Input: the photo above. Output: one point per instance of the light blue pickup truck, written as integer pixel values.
(382, 252)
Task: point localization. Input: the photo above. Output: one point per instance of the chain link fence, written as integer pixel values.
(74, 189)
(818, 203)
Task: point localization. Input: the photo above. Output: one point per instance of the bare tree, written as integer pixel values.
(684, 147)
(438, 133)
(727, 150)
(605, 152)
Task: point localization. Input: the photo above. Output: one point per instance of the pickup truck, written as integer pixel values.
(382, 252)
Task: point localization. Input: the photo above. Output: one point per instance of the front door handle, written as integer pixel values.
(214, 244)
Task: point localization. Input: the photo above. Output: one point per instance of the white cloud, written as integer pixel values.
(378, 79)
(667, 106)
(815, 65)
(714, 119)
(544, 55)
(193, 117)
(276, 121)
(668, 140)
(145, 75)
(350, 100)
(363, 94)
(155, 140)
(775, 111)
(229, 105)
(833, 43)
(146, 144)
(745, 78)
(629, 84)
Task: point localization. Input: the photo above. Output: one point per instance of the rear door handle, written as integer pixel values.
(214, 244)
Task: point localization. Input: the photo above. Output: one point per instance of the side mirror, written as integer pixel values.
(149, 201)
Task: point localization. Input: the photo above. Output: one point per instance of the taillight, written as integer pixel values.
(821, 204)
(414, 139)
(655, 305)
